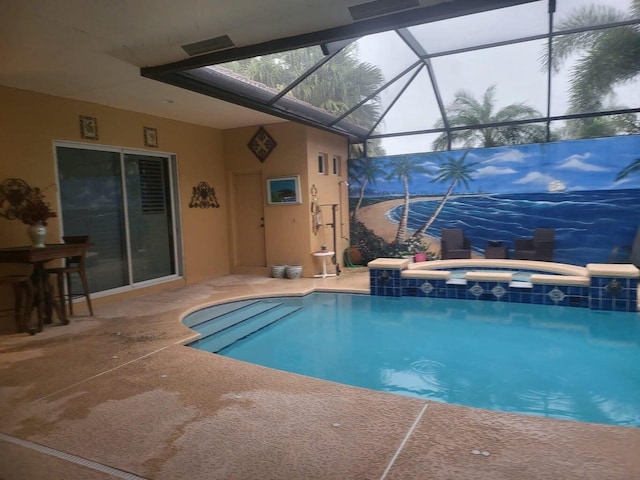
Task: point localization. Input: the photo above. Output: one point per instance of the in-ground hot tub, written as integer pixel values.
(596, 286)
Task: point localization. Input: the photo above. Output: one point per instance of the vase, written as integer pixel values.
(37, 234)
(277, 271)
(293, 271)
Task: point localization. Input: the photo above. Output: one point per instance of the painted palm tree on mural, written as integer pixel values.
(365, 171)
(452, 170)
(403, 169)
(607, 58)
(465, 110)
(633, 167)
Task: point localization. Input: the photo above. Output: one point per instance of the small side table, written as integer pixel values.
(323, 254)
(496, 252)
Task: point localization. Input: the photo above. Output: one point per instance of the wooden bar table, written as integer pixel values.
(44, 299)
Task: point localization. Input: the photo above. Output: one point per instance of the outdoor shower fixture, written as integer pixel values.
(346, 184)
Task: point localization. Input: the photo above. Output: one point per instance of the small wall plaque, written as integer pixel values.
(89, 127)
(150, 137)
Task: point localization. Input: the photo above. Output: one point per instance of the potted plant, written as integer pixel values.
(420, 255)
(35, 212)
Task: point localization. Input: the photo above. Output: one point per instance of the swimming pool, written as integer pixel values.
(552, 361)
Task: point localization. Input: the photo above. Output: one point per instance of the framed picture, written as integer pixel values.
(283, 191)
(150, 137)
(89, 127)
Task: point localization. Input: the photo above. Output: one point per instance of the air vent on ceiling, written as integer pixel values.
(380, 7)
(210, 45)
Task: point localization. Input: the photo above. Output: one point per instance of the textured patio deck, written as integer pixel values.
(118, 396)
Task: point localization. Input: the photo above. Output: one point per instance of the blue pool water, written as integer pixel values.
(552, 361)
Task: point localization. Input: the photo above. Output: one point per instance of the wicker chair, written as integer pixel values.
(540, 247)
(627, 253)
(453, 244)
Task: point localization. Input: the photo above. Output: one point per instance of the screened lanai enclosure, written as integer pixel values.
(449, 75)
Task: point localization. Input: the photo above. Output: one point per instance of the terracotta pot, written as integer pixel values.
(354, 255)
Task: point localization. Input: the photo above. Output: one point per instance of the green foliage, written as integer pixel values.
(35, 210)
(605, 58)
(336, 86)
(372, 246)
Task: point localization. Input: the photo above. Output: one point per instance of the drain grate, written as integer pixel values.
(70, 458)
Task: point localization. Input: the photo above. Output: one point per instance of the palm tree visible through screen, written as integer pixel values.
(465, 110)
(606, 58)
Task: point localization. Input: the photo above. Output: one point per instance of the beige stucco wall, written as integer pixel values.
(288, 229)
(330, 191)
(31, 122)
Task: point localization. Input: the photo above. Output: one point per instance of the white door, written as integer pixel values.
(250, 250)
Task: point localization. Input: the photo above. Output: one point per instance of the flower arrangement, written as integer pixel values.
(34, 209)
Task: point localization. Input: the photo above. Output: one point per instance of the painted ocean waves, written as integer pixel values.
(589, 224)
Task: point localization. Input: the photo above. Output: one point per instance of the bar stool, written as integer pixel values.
(73, 265)
(21, 285)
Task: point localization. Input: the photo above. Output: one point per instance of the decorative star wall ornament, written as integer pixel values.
(262, 144)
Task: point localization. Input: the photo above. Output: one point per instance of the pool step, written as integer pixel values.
(207, 314)
(229, 319)
(223, 337)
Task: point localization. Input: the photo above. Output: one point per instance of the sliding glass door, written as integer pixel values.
(123, 201)
(149, 217)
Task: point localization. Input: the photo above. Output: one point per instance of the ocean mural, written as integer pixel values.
(587, 190)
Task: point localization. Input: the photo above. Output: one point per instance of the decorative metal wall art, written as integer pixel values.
(262, 144)
(13, 195)
(204, 196)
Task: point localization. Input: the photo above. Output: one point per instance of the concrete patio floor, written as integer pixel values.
(117, 395)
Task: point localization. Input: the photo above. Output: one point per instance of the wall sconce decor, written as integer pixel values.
(262, 144)
(204, 196)
(150, 137)
(89, 127)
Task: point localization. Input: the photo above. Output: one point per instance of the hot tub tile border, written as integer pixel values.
(603, 293)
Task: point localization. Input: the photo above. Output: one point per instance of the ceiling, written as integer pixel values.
(93, 50)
